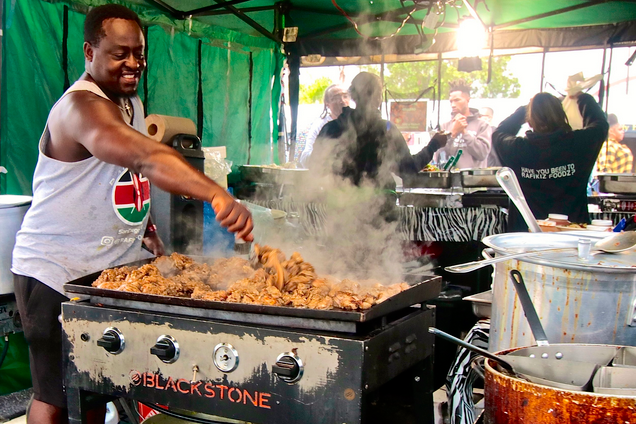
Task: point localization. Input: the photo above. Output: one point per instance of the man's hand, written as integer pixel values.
(154, 244)
(233, 216)
(441, 138)
(459, 125)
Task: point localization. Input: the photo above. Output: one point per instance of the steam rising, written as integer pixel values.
(358, 238)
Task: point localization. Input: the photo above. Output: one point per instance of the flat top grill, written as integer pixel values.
(422, 288)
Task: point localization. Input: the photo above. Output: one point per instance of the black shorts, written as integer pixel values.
(39, 307)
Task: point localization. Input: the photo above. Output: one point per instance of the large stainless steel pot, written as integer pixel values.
(511, 400)
(577, 301)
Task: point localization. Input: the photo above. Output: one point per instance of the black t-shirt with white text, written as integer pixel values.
(553, 169)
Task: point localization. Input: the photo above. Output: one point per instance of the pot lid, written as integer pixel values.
(14, 200)
(599, 262)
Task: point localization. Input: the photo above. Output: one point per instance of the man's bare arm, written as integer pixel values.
(97, 124)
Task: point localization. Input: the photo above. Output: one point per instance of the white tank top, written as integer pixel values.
(85, 216)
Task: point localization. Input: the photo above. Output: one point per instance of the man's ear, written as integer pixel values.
(88, 51)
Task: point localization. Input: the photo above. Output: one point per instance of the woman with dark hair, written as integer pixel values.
(552, 162)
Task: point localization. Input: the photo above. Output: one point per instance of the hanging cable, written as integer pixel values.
(398, 96)
(355, 24)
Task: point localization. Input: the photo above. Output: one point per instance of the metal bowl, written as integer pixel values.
(485, 177)
(431, 179)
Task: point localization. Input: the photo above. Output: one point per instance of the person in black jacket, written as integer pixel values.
(363, 148)
(552, 162)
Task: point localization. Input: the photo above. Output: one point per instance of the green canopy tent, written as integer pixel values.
(225, 81)
(218, 61)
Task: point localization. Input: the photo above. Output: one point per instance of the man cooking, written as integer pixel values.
(469, 134)
(91, 194)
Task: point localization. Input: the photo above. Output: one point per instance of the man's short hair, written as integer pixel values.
(365, 86)
(612, 119)
(459, 85)
(94, 23)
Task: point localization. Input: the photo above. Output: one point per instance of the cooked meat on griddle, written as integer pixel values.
(268, 279)
(112, 278)
(228, 270)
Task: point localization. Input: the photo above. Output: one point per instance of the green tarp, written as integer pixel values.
(33, 79)
(14, 371)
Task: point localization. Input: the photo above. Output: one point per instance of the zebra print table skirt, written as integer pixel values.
(415, 223)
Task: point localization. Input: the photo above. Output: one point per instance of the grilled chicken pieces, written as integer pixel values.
(269, 278)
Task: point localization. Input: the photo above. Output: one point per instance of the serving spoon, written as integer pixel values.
(617, 242)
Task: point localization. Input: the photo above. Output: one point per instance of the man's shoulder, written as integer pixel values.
(620, 147)
(330, 129)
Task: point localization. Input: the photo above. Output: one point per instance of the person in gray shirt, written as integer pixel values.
(468, 132)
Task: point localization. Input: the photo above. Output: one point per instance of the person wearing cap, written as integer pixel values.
(552, 162)
(335, 98)
(364, 149)
(615, 157)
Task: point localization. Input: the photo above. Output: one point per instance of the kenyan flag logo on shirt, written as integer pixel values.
(131, 197)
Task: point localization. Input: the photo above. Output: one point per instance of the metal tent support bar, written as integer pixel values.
(178, 14)
(553, 13)
(244, 10)
(251, 22)
(201, 10)
(362, 19)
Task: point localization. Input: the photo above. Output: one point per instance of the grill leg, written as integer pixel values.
(76, 406)
(83, 405)
(423, 389)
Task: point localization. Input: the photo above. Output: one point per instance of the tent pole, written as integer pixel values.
(601, 92)
(67, 83)
(386, 109)
(545, 50)
(249, 110)
(439, 87)
(609, 78)
(293, 61)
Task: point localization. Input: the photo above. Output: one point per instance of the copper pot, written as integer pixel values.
(511, 400)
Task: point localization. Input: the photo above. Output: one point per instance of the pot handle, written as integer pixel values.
(632, 316)
(528, 308)
(488, 253)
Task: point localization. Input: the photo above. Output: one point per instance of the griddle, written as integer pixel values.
(422, 288)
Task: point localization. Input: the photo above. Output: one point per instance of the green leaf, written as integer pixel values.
(313, 93)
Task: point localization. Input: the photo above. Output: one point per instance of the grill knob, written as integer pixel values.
(166, 348)
(288, 367)
(112, 341)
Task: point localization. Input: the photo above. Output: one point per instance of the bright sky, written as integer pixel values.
(527, 68)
